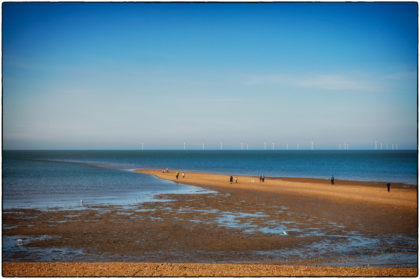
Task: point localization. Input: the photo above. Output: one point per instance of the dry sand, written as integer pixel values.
(179, 237)
(349, 191)
(192, 269)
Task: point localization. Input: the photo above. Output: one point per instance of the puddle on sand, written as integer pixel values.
(355, 251)
(17, 248)
(356, 248)
(331, 240)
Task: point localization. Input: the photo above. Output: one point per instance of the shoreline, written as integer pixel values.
(370, 183)
(343, 190)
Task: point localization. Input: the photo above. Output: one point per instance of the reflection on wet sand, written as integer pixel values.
(223, 226)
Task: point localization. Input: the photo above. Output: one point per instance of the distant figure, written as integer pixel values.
(177, 174)
(231, 179)
(388, 186)
(332, 179)
(236, 179)
(183, 175)
(167, 170)
(262, 178)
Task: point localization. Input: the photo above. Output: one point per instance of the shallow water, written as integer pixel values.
(57, 185)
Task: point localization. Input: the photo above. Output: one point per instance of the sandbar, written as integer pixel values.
(346, 191)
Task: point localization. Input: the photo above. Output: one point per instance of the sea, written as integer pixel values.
(65, 179)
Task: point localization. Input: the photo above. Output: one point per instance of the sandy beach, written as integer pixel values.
(346, 191)
(282, 227)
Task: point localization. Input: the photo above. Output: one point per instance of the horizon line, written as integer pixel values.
(213, 149)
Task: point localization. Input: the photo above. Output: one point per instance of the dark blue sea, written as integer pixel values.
(48, 179)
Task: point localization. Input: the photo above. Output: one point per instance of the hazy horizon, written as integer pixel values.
(102, 76)
(214, 149)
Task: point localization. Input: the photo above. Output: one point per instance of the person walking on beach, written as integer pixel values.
(231, 179)
(183, 175)
(332, 179)
(262, 178)
(236, 179)
(177, 174)
(388, 186)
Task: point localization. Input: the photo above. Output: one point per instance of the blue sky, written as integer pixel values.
(115, 75)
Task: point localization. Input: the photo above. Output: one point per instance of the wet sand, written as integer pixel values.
(282, 227)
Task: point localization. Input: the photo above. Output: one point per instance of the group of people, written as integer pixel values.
(165, 170)
(231, 179)
(262, 177)
(177, 175)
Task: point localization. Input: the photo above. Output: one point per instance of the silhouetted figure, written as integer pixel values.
(177, 174)
(332, 179)
(236, 179)
(262, 178)
(388, 186)
(231, 179)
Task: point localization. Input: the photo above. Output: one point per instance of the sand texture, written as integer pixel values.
(192, 269)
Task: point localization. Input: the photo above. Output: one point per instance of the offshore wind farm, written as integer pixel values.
(277, 146)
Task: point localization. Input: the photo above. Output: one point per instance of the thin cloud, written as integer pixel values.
(401, 76)
(336, 82)
(325, 82)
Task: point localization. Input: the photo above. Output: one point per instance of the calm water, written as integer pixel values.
(63, 178)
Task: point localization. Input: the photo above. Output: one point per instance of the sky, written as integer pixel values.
(118, 75)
